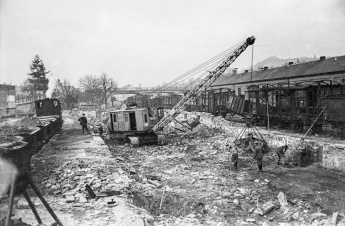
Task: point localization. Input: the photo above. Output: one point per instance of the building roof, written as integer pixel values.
(328, 66)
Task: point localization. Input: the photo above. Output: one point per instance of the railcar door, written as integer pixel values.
(132, 121)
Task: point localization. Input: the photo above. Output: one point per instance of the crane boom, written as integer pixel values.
(205, 83)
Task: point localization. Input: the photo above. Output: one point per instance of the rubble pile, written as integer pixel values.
(20, 125)
(233, 129)
(188, 182)
(72, 179)
(4, 139)
(99, 189)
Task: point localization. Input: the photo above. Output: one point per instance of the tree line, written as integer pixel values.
(93, 89)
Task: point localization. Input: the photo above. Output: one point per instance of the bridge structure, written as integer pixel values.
(148, 90)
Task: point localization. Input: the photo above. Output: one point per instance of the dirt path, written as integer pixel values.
(63, 168)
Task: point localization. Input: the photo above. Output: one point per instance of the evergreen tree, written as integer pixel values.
(38, 80)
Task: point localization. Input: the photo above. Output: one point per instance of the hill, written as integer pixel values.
(274, 61)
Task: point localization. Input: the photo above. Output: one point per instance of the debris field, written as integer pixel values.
(187, 182)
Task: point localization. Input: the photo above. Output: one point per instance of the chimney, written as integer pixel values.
(245, 71)
(322, 57)
(265, 68)
(290, 63)
(234, 71)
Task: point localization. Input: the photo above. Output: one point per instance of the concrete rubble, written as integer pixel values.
(186, 182)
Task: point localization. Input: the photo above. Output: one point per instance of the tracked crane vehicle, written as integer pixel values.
(138, 126)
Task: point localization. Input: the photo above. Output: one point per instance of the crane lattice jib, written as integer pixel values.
(205, 83)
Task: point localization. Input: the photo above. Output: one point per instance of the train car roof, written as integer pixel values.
(128, 110)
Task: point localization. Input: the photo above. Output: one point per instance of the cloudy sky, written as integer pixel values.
(153, 41)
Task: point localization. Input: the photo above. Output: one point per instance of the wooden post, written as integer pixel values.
(220, 101)
(280, 104)
(268, 113)
(257, 100)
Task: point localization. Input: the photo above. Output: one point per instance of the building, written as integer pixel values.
(7, 99)
(290, 94)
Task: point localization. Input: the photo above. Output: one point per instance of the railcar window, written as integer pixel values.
(145, 117)
(114, 116)
(39, 104)
(55, 103)
(126, 118)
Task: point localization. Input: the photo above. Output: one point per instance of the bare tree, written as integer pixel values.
(90, 85)
(108, 86)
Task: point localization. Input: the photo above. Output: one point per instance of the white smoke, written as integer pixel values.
(51, 86)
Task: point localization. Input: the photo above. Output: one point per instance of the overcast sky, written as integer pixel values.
(153, 41)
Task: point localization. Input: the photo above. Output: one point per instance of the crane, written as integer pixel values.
(136, 125)
(205, 83)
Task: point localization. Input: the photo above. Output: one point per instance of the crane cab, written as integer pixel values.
(134, 120)
(132, 125)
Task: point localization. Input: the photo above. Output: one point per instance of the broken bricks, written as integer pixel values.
(265, 208)
(283, 202)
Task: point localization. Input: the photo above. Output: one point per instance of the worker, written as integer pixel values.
(100, 130)
(281, 154)
(258, 154)
(83, 123)
(302, 153)
(234, 158)
(249, 142)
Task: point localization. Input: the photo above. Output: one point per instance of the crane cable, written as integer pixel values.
(201, 66)
(212, 67)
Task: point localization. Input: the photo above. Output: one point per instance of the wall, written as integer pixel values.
(7, 99)
(26, 107)
(330, 153)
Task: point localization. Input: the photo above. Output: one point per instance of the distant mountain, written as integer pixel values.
(274, 61)
(271, 62)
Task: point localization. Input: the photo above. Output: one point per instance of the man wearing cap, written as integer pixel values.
(281, 153)
(83, 123)
(258, 154)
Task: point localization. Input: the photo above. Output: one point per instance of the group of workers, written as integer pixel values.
(259, 149)
(251, 143)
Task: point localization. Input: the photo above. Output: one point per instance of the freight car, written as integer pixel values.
(334, 113)
(294, 107)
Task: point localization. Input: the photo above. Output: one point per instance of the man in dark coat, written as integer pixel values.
(258, 154)
(281, 154)
(83, 123)
(100, 129)
(302, 153)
